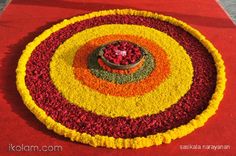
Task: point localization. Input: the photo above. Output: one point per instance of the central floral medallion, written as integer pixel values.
(121, 54)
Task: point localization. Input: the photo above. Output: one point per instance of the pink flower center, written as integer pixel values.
(122, 52)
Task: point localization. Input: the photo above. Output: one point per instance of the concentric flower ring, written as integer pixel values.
(135, 106)
(188, 113)
(99, 72)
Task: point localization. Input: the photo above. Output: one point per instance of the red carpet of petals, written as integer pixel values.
(24, 20)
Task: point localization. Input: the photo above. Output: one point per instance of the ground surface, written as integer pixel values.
(230, 8)
(23, 20)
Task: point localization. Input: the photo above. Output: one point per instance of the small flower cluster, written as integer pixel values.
(118, 71)
(122, 53)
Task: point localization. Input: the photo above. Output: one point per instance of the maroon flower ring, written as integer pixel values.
(47, 97)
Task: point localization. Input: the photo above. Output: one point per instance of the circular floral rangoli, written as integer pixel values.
(175, 88)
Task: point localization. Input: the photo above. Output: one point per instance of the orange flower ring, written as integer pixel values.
(131, 89)
(150, 103)
(76, 95)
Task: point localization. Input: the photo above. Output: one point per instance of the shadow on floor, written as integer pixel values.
(192, 19)
(8, 77)
(88, 6)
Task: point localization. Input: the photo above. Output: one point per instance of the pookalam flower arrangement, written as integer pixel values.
(121, 54)
(172, 90)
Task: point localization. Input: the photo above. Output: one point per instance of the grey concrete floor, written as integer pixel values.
(229, 7)
(3, 4)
